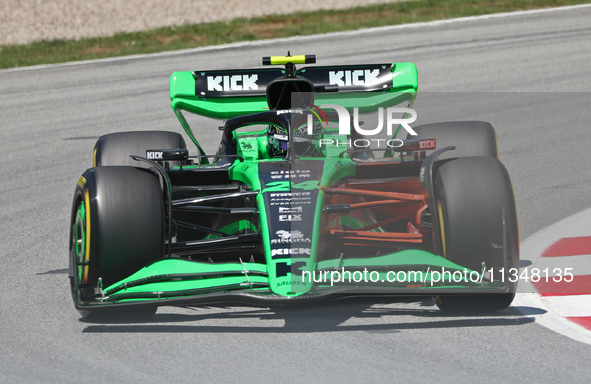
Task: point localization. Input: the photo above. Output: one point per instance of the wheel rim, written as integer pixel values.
(79, 245)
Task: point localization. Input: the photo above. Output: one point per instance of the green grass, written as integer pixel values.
(274, 26)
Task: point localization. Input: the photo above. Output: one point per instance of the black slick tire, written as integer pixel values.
(117, 228)
(474, 198)
(471, 138)
(116, 148)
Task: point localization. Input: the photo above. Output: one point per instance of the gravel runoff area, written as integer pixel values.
(25, 21)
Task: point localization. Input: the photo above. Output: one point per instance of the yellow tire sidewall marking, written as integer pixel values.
(87, 235)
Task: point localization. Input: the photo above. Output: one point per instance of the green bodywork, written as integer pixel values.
(419, 270)
(176, 278)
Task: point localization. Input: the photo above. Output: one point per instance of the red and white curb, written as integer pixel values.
(562, 255)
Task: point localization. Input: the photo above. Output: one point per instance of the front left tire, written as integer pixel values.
(117, 228)
(477, 220)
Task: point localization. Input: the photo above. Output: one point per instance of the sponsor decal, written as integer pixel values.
(351, 77)
(289, 237)
(291, 282)
(283, 111)
(232, 82)
(301, 200)
(297, 209)
(154, 155)
(284, 253)
(289, 172)
(289, 194)
(288, 202)
(355, 77)
(290, 217)
(427, 144)
(288, 176)
(289, 198)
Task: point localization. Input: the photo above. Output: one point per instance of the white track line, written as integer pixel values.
(570, 306)
(301, 38)
(557, 307)
(527, 303)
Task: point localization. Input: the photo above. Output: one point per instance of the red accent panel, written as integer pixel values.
(569, 246)
(582, 321)
(580, 285)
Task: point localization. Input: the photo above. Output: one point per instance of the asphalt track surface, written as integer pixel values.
(536, 64)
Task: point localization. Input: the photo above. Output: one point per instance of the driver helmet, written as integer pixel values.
(278, 142)
(301, 133)
(305, 143)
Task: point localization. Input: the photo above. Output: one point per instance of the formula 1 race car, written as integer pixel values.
(296, 206)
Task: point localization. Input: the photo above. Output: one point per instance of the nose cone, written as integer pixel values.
(291, 194)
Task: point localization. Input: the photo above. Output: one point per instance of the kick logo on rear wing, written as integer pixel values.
(253, 82)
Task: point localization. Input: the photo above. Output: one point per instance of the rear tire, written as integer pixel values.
(471, 138)
(117, 228)
(115, 148)
(471, 193)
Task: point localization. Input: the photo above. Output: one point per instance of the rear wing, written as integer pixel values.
(224, 94)
(230, 93)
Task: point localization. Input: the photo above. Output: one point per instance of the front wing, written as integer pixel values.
(175, 282)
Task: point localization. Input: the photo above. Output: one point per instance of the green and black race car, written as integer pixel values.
(295, 207)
